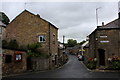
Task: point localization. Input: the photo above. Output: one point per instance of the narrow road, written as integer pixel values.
(72, 69)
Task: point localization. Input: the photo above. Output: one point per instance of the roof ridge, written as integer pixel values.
(40, 17)
(111, 22)
(34, 15)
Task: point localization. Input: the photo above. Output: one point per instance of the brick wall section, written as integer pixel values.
(13, 67)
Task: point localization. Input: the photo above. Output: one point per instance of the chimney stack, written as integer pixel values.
(38, 15)
(102, 23)
(119, 15)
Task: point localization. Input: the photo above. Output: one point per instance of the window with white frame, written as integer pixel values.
(42, 38)
(53, 38)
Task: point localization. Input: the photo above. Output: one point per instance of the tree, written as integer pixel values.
(4, 18)
(82, 42)
(71, 42)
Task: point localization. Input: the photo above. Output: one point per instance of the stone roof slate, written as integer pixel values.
(112, 24)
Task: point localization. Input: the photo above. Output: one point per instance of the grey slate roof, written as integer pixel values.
(113, 24)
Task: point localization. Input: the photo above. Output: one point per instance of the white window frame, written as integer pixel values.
(43, 38)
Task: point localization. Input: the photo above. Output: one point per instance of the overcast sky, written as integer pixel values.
(75, 20)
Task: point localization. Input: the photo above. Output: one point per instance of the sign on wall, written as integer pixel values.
(104, 41)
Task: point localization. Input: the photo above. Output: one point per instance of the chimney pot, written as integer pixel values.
(38, 15)
(102, 23)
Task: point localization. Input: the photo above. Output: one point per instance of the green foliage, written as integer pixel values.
(4, 18)
(91, 64)
(4, 44)
(13, 44)
(82, 42)
(71, 42)
(34, 51)
(42, 55)
(10, 45)
(115, 65)
(33, 47)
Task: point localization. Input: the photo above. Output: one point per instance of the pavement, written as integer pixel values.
(72, 69)
(100, 70)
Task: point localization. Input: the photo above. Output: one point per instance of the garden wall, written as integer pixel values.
(13, 62)
(39, 63)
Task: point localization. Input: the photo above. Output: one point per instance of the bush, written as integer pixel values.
(10, 45)
(4, 44)
(33, 47)
(42, 55)
(115, 65)
(35, 52)
(13, 44)
(91, 64)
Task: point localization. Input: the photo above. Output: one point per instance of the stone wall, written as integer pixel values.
(39, 64)
(26, 29)
(13, 67)
(106, 39)
(111, 47)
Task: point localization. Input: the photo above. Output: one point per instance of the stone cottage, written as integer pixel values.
(104, 43)
(28, 28)
(73, 50)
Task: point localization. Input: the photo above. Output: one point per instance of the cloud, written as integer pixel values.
(74, 19)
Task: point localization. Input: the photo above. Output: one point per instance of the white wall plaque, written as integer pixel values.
(104, 41)
(103, 36)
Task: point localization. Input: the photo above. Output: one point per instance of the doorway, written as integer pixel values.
(29, 63)
(101, 53)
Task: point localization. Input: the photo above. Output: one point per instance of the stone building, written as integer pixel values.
(28, 28)
(2, 29)
(73, 50)
(104, 42)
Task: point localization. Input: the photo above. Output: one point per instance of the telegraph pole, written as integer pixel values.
(63, 41)
(25, 5)
(97, 15)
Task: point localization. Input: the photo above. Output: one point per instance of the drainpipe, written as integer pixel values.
(95, 54)
(49, 48)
